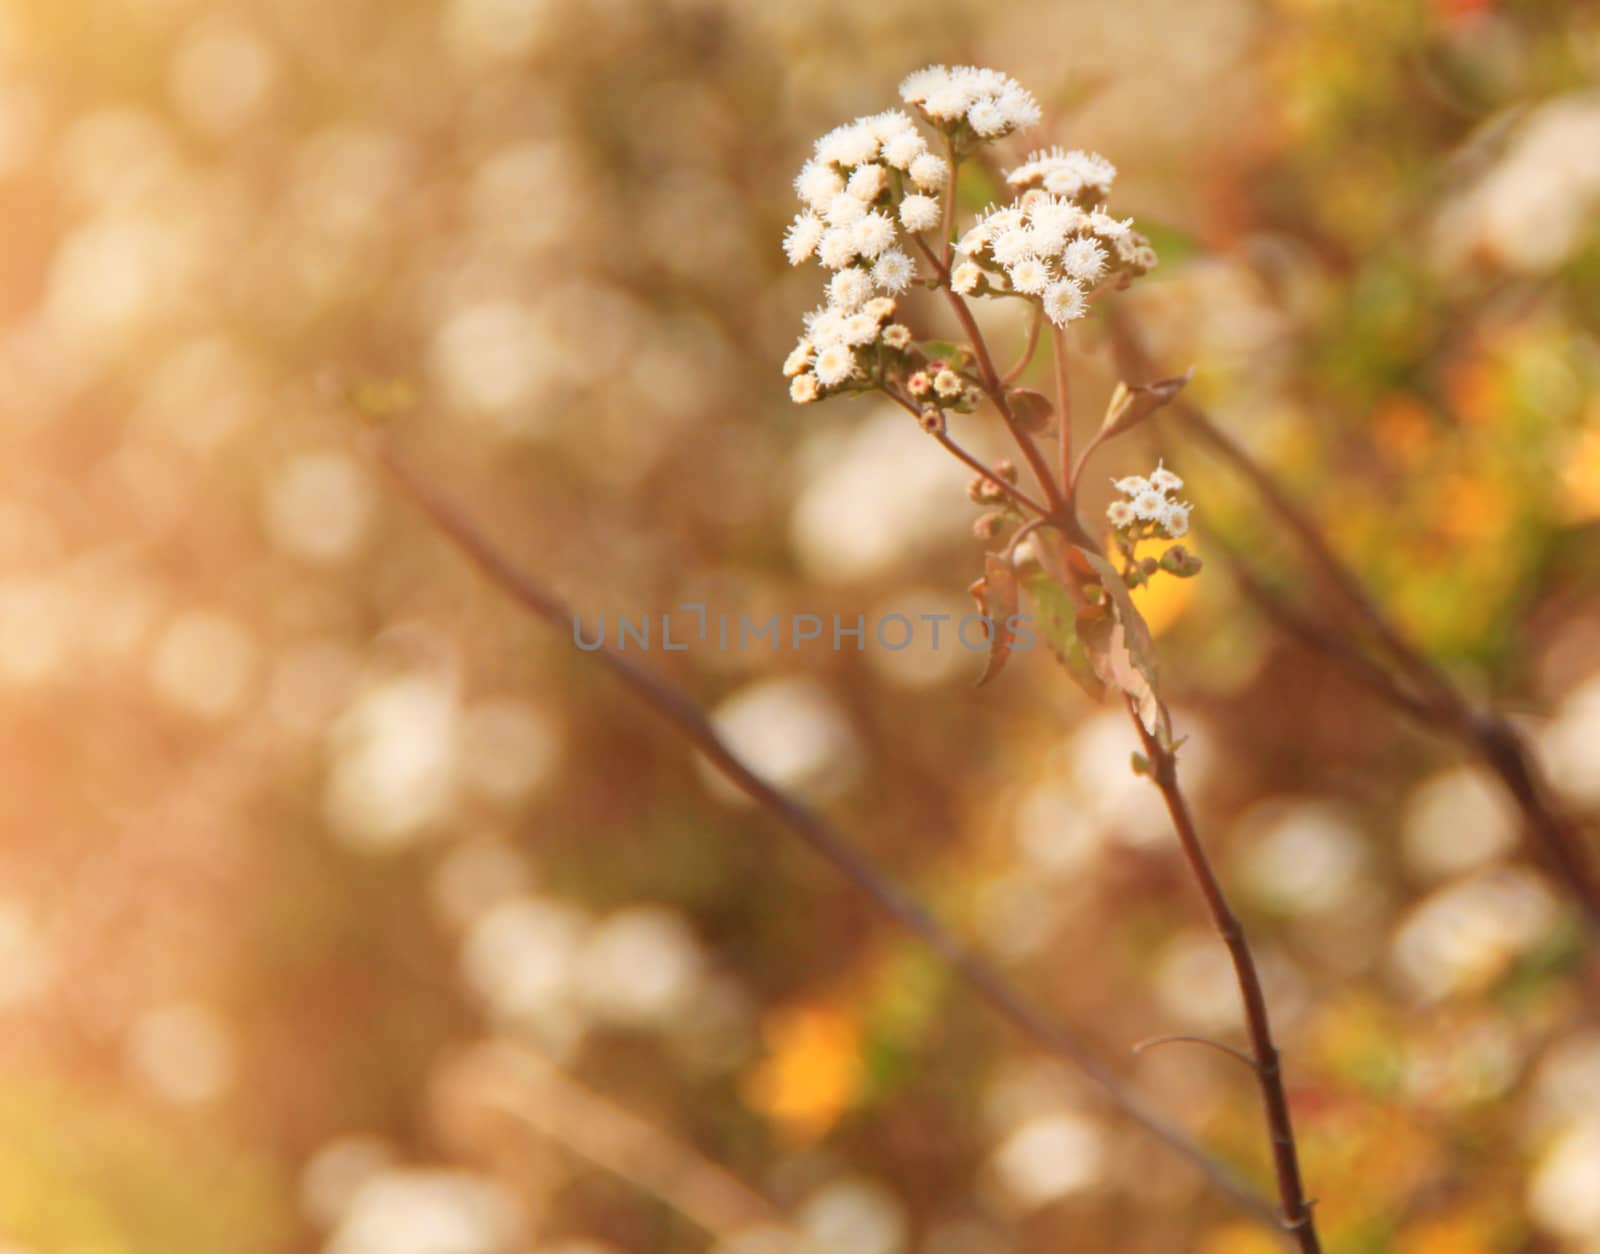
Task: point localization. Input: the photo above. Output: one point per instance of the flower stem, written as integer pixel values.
(1297, 1216)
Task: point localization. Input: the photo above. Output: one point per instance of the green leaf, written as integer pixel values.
(1054, 617)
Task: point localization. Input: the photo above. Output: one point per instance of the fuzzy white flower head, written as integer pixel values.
(867, 182)
(1030, 275)
(851, 144)
(1163, 480)
(824, 326)
(1175, 519)
(844, 210)
(1107, 227)
(965, 278)
(988, 119)
(803, 389)
(859, 329)
(802, 237)
(1064, 302)
(889, 124)
(798, 359)
(991, 103)
(837, 247)
(902, 149)
(897, 336)
(929, 171)
(1132, 485)
(919, 212)
(1084, 260)
(835, 364)
(1011, 246)
(880, 307)
(874, 233)
(1148, 505)
(1121, 514)
(947, 383)
(976, 239)
(1062, 173)
(849, 289)
(817, 184)
(893, 271)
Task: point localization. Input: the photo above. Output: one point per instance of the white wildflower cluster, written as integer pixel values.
(992, 104)
(1082, 176)
(1149, 501)
(1048, 245)
(826, 355)
(868, 185)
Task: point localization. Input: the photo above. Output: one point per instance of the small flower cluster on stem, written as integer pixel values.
(875, 184)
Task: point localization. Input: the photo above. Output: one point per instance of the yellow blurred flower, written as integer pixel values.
(812, 1072)
(1580, 477)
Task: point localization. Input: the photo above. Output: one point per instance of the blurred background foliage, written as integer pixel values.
(341, 908)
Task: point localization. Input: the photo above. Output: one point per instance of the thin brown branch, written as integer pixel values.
(1314, 635)
(1035, 324)
(1297, 1217)
(1177, 1037)
(960, 454)
(690, 722)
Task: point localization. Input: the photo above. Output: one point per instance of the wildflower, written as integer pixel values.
(802, 237)
(988, 119)
(881, 308)
(860, 328)
(1029, 275)
(803, 389)
(965, 278)
(1174, 519)
(1010, 247)
(1148, 505)
(919, 384)
(929, 171)
(947, 383)
(1164, 480)
(844, 210)
(919, 212)
(893, 271)
(1061, 173)
(975, 240)
(816, 184)
(1132, 485)
(1084, 260)
(867, 182)
(992, 103)
(897, 336)
(874, 233)
(890, 124)
(837, 248)
(1063, 302)
(834, 365)
(824, 326)
(849, 289)
(799, 358)
(1107, 227)
(1121, 514)
(848, 145)
(902, 149)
